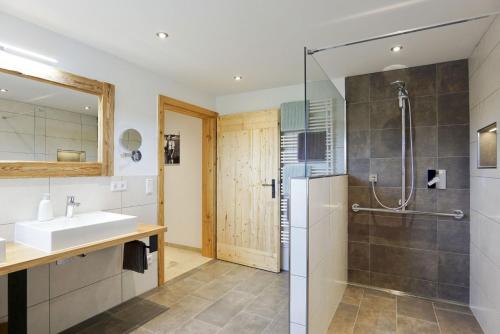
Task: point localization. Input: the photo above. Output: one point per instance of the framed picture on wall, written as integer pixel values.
(172, 148)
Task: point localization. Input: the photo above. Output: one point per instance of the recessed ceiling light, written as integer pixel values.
(237, 78)
(87, 108)
(3, 90)
(397, 48)
(162, 35)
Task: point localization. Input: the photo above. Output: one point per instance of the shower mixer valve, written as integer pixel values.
(373, 178)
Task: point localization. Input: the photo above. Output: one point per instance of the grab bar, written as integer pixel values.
(457, 214)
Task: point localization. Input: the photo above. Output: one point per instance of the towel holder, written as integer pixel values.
(153, 243)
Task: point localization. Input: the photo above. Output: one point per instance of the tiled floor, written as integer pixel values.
(221, 297)
(367, 311)
(179, 261)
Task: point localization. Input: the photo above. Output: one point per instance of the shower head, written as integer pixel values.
(401, 87)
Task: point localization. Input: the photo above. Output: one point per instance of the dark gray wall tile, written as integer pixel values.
(359, 195)
(388, 171)
(388, 196)
(453, 236)
(422, 164)
(385, 114)
(414, 286)
(380, 83)
(358, 170)
(358, 116)
(424, 141)
(453, 76)
(453, 141)
(359, 227)
(414, 263)
(454, 269)
(385, 143)
(358, 276)
(357, 88)
(453, 292)
(453, 109)
(453, 199)
(403, 231)
(422, 80)
(359, 256)
(423, 111)
(358, 144)
(457, 172)
(423, 200)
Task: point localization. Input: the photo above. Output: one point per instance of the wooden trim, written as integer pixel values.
(20, 257)
(179, 246)
(209, 172)
(106, 96)
(161, 191)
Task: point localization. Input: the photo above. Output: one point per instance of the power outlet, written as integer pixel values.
(118, 186)
(372, 178)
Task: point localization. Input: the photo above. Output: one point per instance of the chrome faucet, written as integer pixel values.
(70, 206)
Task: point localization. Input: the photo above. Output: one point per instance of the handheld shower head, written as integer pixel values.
(401, 87)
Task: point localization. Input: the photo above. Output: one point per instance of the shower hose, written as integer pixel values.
(402, 205)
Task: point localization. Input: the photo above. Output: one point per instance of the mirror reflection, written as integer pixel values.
(131, 140)
(44, 122)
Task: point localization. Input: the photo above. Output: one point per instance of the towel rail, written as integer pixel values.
(457, 214)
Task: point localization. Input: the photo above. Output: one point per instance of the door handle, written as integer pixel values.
(273, 189)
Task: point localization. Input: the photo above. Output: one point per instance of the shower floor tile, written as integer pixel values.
(366, 311)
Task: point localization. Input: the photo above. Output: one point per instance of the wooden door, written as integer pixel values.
(248, 226)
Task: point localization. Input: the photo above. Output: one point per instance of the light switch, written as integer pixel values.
(149, 186)
(118, 186)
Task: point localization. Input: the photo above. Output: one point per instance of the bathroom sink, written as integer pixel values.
(63, 232)
(2, 250)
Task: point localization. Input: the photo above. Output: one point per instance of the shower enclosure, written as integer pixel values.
(318, 206)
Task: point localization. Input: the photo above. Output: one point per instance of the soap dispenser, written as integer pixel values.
(45, 211)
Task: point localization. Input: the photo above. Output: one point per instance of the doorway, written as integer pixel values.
(183, 253)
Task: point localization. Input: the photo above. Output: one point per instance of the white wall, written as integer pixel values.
(484, 85)
(93, 284)
(318, 267)
(136, 89)
(183, 182)
(265, 98)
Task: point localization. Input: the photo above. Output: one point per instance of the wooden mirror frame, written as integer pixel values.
(105, 142)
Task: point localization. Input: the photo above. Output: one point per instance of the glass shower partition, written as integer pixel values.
(318, 205)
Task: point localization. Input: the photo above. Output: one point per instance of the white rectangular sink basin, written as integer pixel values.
(62, 232)
(2, 250)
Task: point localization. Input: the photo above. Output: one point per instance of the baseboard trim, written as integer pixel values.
(170, 244)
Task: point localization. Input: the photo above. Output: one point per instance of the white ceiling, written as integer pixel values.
(47, 95)
(262, 40)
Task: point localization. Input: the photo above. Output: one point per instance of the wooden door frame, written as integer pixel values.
(209, 175)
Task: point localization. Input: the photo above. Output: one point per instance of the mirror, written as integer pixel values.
(487, 147)
(41, 121)
(131, 141)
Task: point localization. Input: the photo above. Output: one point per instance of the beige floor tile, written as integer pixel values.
(269, 302)
(407, 325)
(377, 314)
(222, 311)
(344, 319)
(179, 261)
(247, 323)
(452, 307)
(195, 326)
(353, 295)
(177, 315)
(457, 323)
(416, 308)
(280, 323)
